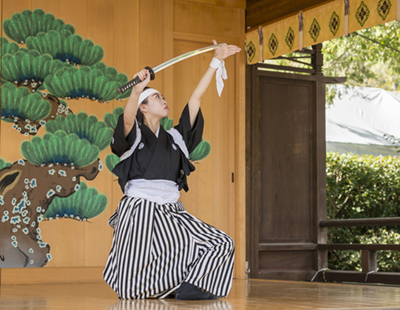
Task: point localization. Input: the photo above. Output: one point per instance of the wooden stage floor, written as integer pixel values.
(245, 294)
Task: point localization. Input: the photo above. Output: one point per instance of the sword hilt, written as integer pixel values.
(135, 81)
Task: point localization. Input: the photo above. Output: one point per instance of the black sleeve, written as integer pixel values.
(120, 144)
(191, 136)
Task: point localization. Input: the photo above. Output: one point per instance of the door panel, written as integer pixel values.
(284, 177)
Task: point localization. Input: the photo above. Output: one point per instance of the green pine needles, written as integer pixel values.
(29, 68)
(86, 82)
(21, 104)
(67, 47)
(112, 74)
(167, 123)
(84, 204)
(4, 164)
(112, 119)
(85, 127)
(60, 148)
(8, 48)
(201, 151)
(111, 161)
(29, 24)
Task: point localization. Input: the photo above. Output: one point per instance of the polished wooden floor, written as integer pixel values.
(245, 294)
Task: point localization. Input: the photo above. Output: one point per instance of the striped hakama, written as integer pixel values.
(156, 247)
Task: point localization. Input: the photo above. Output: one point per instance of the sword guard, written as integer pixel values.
(135, 81)
(152, 74)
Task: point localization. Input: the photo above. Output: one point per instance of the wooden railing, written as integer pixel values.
(369, 272)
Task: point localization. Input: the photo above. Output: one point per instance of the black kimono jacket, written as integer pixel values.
(157, 158)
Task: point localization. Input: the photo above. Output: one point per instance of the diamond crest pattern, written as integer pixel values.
(384, 7)
(334, 23)
(290, 37)
(315, 30)
(362, 13)
(273, 44)
(251, 51)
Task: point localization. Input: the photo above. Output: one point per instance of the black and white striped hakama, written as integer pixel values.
(157, 247)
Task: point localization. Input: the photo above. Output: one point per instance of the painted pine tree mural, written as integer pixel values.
(44, 65)
(41, 56)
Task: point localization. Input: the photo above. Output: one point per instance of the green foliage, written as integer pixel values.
(395, 141)
(112, 74)
(22, 26)
(4, 164)
(30, 67)
(67, 47)
(201, 151)
(362, 187)
(84, 204)
(112, 119)
(59, 148)
(8, 48)
(20, 103)
(364, 62)
(85, 127)
(111, 161)
(388, 261)
(167, 123)
(86, 82)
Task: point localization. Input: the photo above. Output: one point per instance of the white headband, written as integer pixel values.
(145, 94)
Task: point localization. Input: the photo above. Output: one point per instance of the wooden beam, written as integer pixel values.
(272, 247)
(358, 247)
(335, 79)
(356, 276)
(383, 221)
(288, 68)
(260, 12)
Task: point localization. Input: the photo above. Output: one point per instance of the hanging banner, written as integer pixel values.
(369, 13)
(281, 37)
(252, 47)
(319, 24)
(323, 23)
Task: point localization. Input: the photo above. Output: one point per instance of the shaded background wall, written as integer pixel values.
(134, 34)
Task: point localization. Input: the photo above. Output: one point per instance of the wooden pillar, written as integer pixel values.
(369, 261)
(320, 176)
(318, 59)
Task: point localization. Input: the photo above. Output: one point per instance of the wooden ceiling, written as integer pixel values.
(259, 12)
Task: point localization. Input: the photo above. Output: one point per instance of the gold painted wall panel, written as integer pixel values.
(199, 18)
(134, 34)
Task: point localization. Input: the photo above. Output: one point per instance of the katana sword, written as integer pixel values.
(166, 64)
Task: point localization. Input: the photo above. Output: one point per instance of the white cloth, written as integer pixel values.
(178, 139)
(221, 73)
(145, 94)
(158, 191)
(135, 144)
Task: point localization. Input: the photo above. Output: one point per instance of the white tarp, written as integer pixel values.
(357, 122)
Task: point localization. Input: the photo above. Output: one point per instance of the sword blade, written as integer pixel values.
(186, 55)
(168, 63)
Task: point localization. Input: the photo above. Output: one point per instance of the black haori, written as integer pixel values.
(157, 247)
